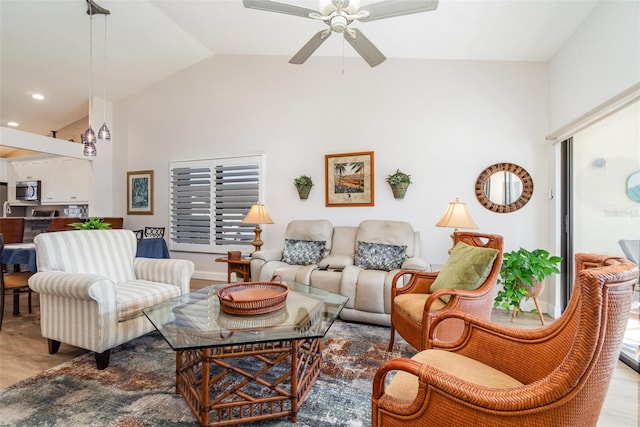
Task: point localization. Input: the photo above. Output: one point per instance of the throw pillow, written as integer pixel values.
(377, 256)
(303, 252)
(466, 269)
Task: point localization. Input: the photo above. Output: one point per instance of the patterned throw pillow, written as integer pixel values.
(376, 256)
(303, 252)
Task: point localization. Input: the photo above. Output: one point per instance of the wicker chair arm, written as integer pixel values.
(468, 395)
(398, 364)
(419, 282)
(472, 323)
(513, 345)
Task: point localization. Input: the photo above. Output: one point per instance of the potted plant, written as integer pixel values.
(93, 223)
(522, 275)
(303, 183)
(399, 182)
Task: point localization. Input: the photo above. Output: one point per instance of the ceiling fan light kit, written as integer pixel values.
(339, 15)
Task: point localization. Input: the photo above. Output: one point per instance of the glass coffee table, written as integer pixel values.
(234, 369)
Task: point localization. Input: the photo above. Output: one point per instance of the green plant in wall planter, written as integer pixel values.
(92, 223)
(522, 275)
(303, 184)
(399, 183)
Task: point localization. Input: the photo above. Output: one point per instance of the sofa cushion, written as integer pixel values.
(466, 269)
(135, 295)
(310, 229)
(303, 252)
(389, 233)
(335, 262)
(378, 256)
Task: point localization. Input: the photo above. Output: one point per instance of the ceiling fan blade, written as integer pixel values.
(390, 8)
(364, 47)
(274, 6)
(311, 46)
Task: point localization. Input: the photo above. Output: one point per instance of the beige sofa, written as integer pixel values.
(357, 262)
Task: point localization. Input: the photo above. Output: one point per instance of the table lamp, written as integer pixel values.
(257, 215)
(456, 216)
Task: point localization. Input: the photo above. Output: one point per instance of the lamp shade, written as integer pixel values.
(457, 216)
(257, 215)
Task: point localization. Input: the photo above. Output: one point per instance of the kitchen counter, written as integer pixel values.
(34, 226)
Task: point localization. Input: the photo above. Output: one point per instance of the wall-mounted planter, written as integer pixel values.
(303, 184)
(399, 183)
(399, 190)
(303, 191)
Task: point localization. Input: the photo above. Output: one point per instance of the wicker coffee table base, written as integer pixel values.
(250, 382)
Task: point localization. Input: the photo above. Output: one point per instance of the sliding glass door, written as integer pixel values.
(604, 199)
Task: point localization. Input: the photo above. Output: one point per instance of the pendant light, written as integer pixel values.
(104, 133)
(89, 136)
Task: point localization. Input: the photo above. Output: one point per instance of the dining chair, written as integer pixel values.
(12, 229)
(16, 282)
(154, 232)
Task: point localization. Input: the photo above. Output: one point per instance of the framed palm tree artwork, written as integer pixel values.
(349, 179)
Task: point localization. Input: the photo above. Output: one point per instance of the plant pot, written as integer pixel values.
(535, 290)
(399, 189)
(303, 191)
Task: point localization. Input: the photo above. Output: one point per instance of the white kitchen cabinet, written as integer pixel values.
(28, 170)
(64, 180)
(67, 181)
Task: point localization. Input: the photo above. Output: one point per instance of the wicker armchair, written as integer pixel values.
(499, 376)
(414, 305)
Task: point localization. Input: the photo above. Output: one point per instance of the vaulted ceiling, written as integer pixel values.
(44, 44)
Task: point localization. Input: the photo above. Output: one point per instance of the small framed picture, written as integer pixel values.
(349, 179)
(140, 193)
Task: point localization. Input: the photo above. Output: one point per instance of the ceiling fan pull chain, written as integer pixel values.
(343, 56)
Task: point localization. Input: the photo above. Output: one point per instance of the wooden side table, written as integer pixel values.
(239, 266)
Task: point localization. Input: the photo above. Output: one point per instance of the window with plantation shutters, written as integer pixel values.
(209, 198)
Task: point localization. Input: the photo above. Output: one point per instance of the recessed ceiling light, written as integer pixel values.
(13, 124)
(37, 96)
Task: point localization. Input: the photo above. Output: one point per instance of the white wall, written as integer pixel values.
(442, 122)
(599, 61)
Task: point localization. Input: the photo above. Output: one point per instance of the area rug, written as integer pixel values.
(138, 387)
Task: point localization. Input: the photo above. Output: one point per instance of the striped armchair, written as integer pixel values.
(93, 288)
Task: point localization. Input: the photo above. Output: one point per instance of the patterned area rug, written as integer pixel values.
(138, 387)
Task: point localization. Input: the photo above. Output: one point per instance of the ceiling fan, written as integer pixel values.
(338, 15)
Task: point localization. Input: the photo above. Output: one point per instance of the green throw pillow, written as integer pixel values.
(466, 269)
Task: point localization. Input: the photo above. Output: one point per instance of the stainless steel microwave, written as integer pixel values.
(28, 190)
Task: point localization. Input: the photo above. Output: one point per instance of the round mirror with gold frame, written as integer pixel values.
(504, 187)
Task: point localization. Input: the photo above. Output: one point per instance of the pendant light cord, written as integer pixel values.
(90, 64)
(104, 93)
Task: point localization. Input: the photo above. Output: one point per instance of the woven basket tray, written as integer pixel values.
(252, 297)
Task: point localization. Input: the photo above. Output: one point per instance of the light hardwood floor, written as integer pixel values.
(23, 353)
